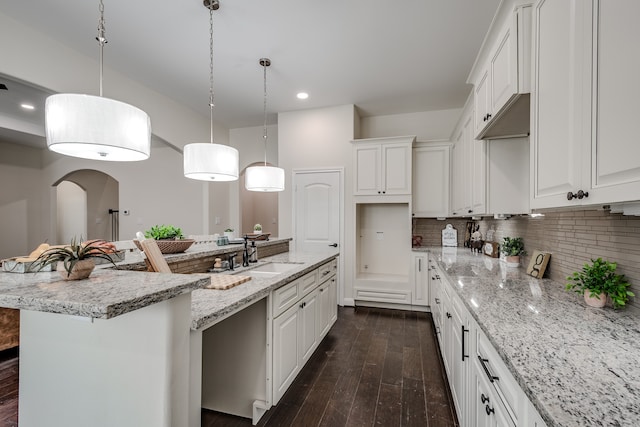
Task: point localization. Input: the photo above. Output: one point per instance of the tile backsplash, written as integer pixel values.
(572, 237)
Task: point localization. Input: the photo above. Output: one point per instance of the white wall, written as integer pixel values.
(426, 125)
(20, 199)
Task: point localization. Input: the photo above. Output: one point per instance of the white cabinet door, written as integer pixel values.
(615, 152)
(460, 358)
(435, 296)
(431, 176)
(333, 300)
(308, 307)
(383, 166)
(324, 309)
(482, 106)
(286, 344)
(368, 179)
(420, 279)
(504, 66)
(557, 115)
(478, 169)
(396, 160)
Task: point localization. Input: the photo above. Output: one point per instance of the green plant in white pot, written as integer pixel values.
(512, 248)
(257, 229)
(229, 233)
(598, 280)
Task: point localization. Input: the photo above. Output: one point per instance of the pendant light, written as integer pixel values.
(209, 161)
(264, 178)
(94, 127)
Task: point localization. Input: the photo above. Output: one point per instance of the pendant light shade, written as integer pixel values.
(93, 127)
(97, 128)
(264, 178)
(210, 162)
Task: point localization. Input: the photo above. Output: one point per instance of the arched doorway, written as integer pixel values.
(257, 208)
(92, 217)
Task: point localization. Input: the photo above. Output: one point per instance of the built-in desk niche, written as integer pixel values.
(383, 248)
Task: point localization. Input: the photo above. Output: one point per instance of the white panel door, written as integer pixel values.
(317, 210)
(615, 153)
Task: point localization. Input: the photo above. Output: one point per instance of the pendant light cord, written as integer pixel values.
(211, 8)
(264, 136)
(101, 39)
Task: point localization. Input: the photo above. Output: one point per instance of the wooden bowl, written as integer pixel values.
(171, 246)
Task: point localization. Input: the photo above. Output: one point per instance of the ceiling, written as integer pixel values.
(384, 57)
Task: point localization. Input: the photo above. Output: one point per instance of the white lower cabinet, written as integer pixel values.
(484, 391)
(304, 311)
(420, 279)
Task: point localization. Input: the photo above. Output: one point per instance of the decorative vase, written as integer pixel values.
(513, 261)
(598, 301)
(81, 270)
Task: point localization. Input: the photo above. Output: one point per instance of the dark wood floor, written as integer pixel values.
(9, 388)
(375, 368)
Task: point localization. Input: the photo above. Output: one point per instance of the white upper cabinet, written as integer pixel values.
(383, 166)
(583, 142)
(502, 76)
(431, 176)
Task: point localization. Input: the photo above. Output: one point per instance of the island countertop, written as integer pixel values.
(577, 364)
(107, 293)
(208, 306)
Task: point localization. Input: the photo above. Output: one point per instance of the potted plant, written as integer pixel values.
(229, 233)
(170, 239)
(599, 279)
(257, 229)
(76, 260)
(164, 232)
(512, 248)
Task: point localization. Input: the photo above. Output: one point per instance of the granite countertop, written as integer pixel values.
(134, 261)
(107, 293)
(209, 306)
(577, 364)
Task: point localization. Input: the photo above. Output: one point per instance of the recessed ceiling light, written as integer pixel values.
(302, 95)
(27, 106)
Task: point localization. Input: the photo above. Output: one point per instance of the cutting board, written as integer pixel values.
(226, 281)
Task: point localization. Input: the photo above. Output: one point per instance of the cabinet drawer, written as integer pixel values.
(497, 373)
(307, 283)
(326, 271)
(284, 297)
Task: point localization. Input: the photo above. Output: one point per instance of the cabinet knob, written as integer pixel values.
(384, 192)
(470, 210)
(488, 117)
(379, 192)
(448, 315)
(579, 195)
(437, 300)
(489, 410)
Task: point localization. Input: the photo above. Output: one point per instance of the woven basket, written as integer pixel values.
(171, 246)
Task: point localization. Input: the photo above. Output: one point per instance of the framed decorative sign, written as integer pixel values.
(538, 264)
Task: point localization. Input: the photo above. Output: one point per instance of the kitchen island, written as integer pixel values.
(576, 364)
(125, 347)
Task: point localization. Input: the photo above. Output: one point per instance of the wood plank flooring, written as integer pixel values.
(376, 367)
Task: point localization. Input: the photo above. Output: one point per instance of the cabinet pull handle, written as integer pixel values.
(484, 398)
(470, 210)
(324, 273)
(463, 331)
(488, 117)
(420, 264)
(489, 410)
(437, 300)
(491, 377)
(437, 277)
(448, 315)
